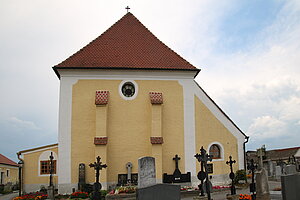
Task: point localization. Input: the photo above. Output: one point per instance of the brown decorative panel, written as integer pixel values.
(156, 140)
(101, 97)
(100, 140)
(156, 97)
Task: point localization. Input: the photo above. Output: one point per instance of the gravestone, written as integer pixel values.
(262, 186)
(146, 172)
(278, 172)
(290, 169)
(290, 187)
(81, 177)
(159, 192)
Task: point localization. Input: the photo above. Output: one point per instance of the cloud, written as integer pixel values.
(266, 127)
(22, 124)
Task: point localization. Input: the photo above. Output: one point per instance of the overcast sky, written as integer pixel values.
(248, 53)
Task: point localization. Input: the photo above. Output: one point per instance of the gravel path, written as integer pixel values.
(9, 196)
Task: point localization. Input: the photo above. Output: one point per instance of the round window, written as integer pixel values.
(128, 89)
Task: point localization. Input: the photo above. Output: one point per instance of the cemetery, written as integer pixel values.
(135, 125)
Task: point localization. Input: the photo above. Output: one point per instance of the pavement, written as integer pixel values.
(276, 195)
(9, 196)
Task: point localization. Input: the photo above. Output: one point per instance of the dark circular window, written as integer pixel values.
(128, 89)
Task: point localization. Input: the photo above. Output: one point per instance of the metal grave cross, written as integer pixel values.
(51, 168)
(98, 166)
(203, 157)
(97, 185)
(231, 175)
(127, 8)
(252, 167)
(176, 158)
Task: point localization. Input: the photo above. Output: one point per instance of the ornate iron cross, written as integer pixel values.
(203, 157)
(51, 166)
(252, 167)
(97, 166)
(231, 175)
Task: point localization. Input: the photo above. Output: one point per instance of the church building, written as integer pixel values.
(124, 96)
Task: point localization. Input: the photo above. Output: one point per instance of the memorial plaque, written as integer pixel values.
(210, 168)
(122, 179)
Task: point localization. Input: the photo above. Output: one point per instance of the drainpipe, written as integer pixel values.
(21, 175)
(244, 147)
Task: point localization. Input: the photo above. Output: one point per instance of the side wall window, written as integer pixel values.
(44, 163)
(216, 150)
(45, 167)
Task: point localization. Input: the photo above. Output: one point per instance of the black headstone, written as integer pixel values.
(159, 192)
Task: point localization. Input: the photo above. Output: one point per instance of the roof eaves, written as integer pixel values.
(55, 68)
(37, 148)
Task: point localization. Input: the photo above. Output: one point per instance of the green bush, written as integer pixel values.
(240, 175)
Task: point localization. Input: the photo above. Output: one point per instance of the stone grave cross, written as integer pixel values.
(97, 185)
(129, 167)
(203, 157)
(231, 175)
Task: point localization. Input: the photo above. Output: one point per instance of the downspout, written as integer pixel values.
(244, 147)
(22, 174)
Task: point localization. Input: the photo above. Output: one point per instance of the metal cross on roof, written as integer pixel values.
(127, 8)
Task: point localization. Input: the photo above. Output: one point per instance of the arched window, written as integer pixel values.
(215, 151)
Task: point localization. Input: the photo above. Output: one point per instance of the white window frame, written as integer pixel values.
(136, 90)
(221, 150)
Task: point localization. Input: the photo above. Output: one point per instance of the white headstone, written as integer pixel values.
(278, 172)
(290, 169)
(146, 173)
(262, 186)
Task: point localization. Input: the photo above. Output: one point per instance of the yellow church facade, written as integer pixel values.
(125, 96)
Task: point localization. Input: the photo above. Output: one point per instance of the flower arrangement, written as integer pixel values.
(217, 187)
(123, 190)
(81, 195)
(245, 196)
(32, 196)
(188, 188)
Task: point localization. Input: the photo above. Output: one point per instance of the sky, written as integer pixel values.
(248, 52)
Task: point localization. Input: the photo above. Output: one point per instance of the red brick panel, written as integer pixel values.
(101, 97)
(100, 140)
(156, 97)
(156, 140)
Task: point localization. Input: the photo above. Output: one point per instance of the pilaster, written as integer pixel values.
(101, 139)
(156, 138)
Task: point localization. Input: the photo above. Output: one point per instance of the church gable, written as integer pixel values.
(128, 44)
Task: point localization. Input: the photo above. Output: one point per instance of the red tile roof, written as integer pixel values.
(127, 44)
(6, 161)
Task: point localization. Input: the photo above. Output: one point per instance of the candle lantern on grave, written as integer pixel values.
(97, 185)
